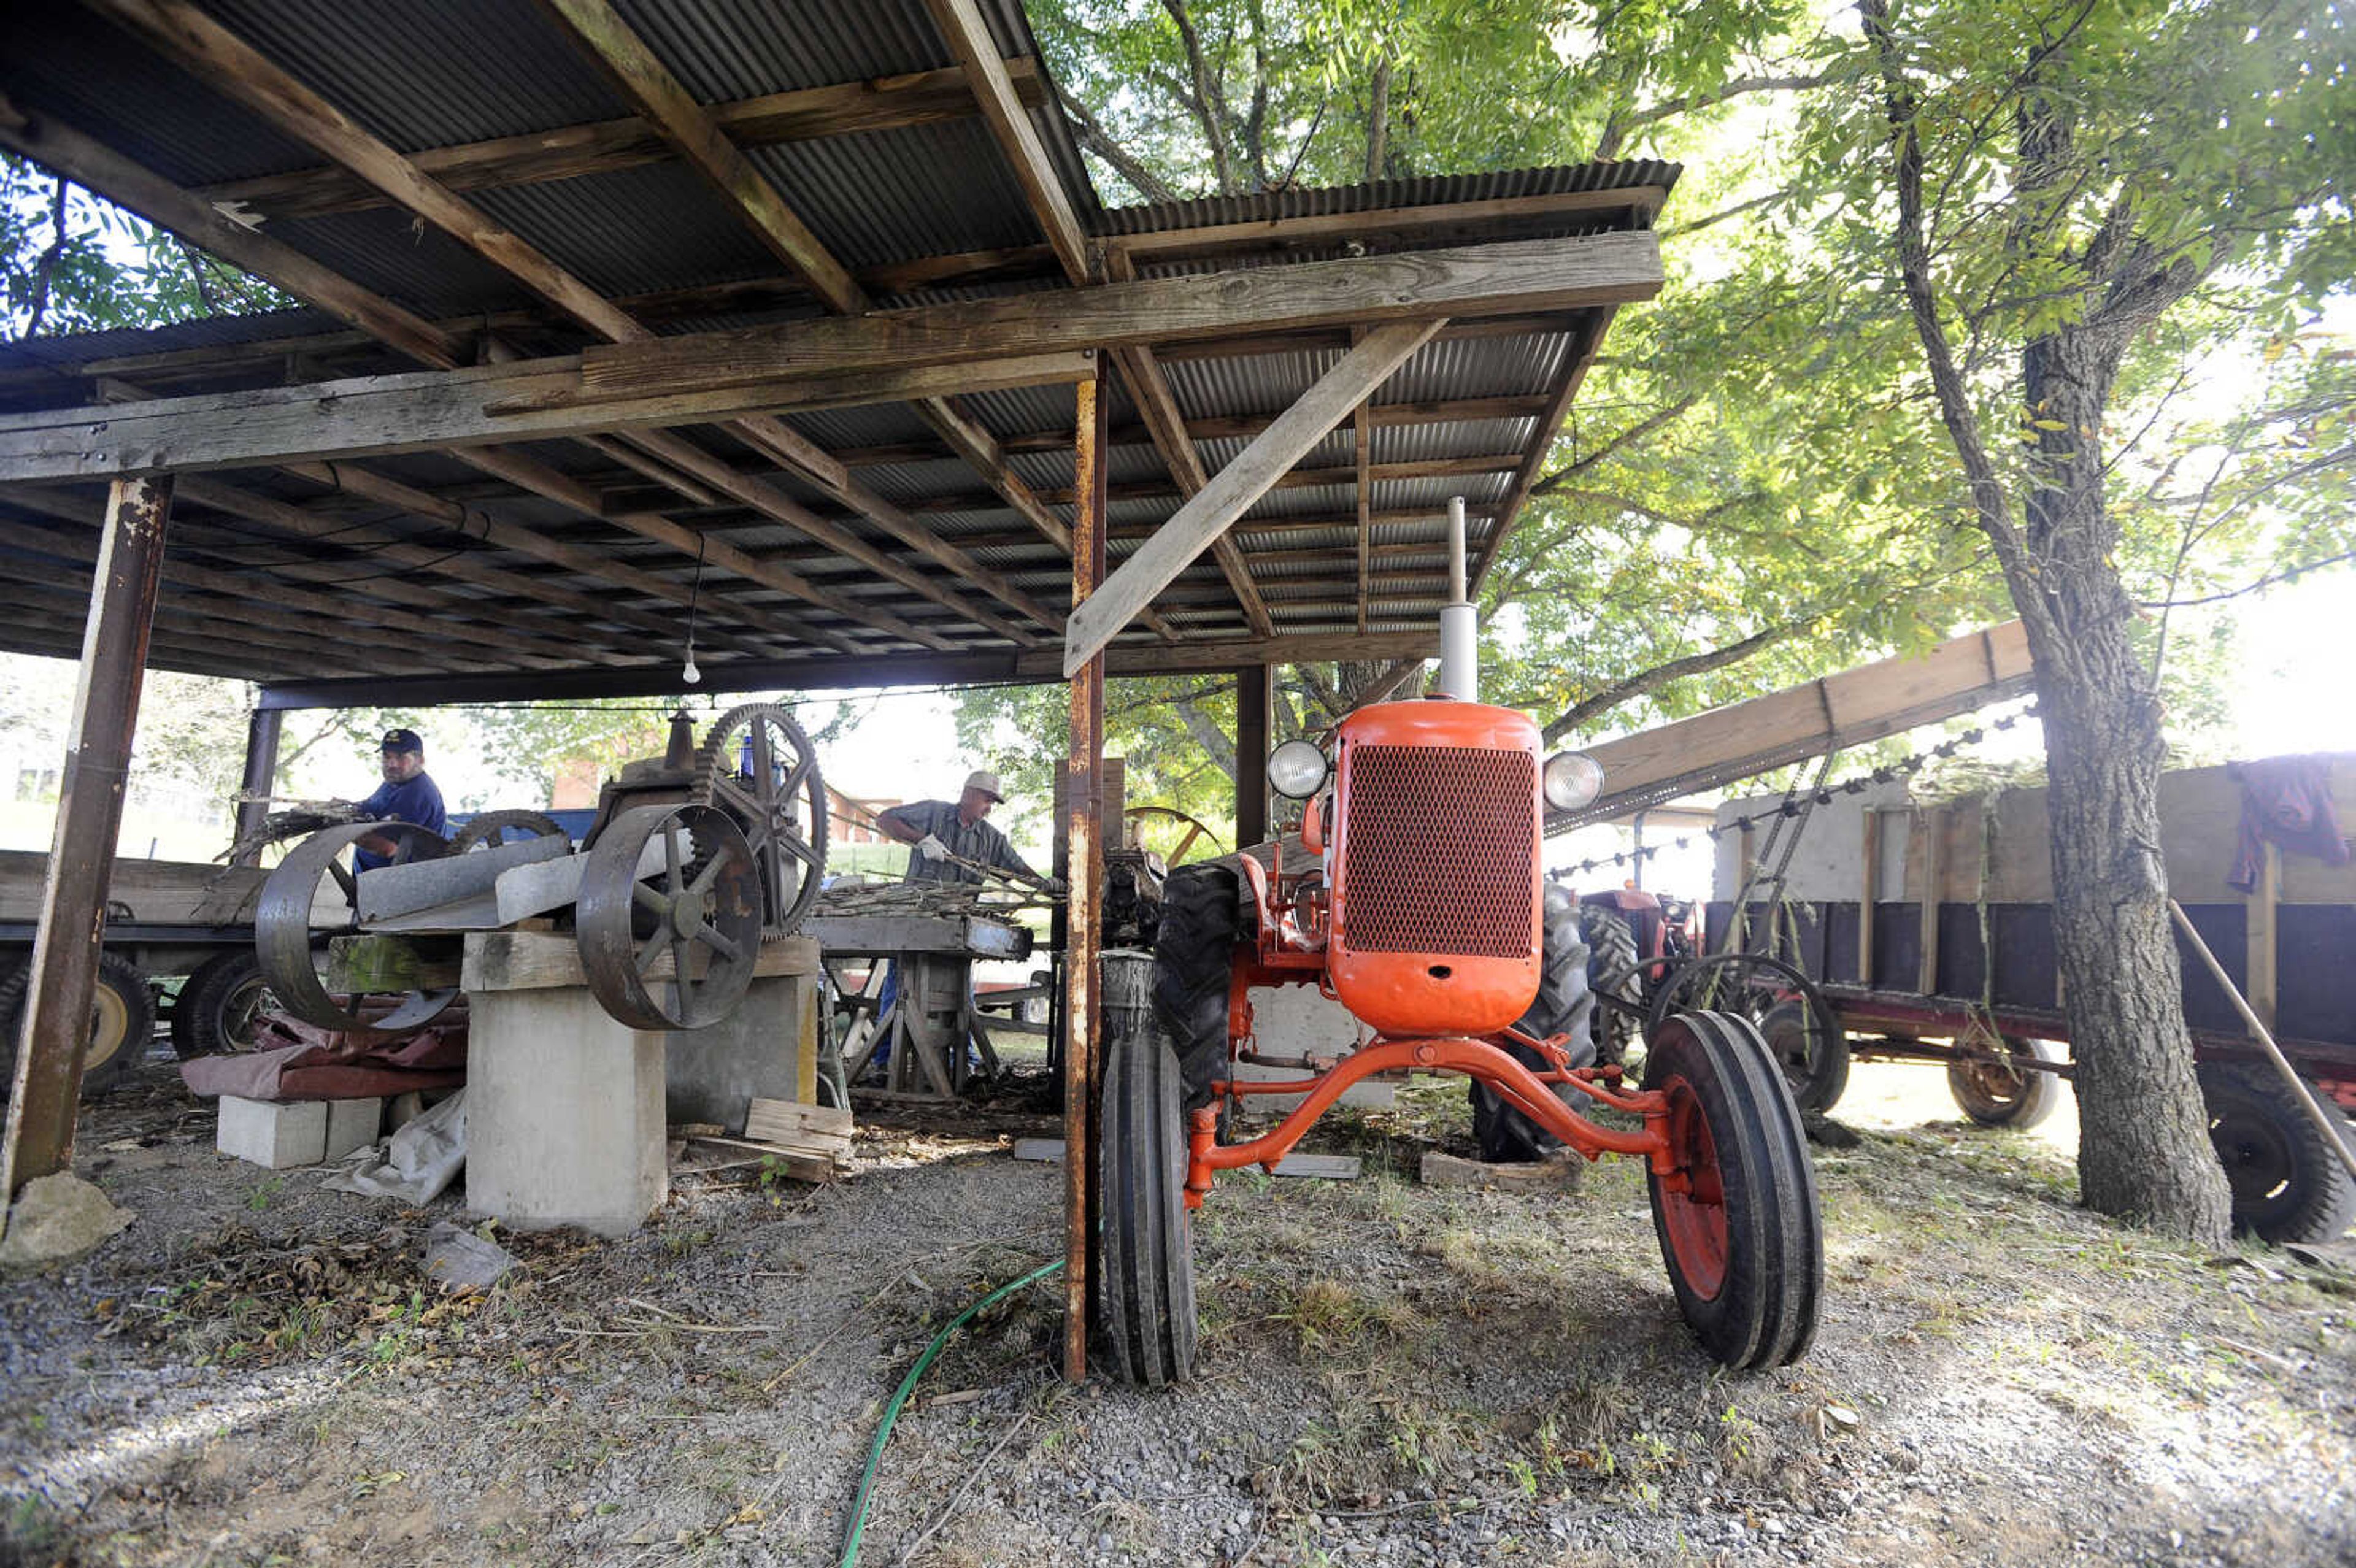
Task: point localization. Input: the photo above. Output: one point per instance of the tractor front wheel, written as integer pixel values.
(1739, 1225)
(1145, 1287)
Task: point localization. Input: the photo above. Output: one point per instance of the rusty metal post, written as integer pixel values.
(82, 853)
(260, 773)
(1083, 832)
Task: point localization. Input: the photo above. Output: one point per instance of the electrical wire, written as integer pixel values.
(858, 1525)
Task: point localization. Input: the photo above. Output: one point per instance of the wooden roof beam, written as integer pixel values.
(224, 61)
(332, 626)
(1214, 509)
(699, 138)
(1525, 473)
(838, 359)
(428, 606)
(885, 103)
(969, 38)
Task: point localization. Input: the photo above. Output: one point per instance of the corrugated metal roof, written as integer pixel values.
(428, 73)
(436, 72)
(1434, 190)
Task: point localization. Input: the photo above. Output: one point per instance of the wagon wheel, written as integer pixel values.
(672, 947)
(1744, 983)
(1738, 1218)
(2001, 1090)
(292, 920)
(1807, 1040)
(489, 830)
(1146, 1284)
(1196, 831)
(757, 766)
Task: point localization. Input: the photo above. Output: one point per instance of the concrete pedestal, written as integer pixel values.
(1298, 1020)
(768, 1049)
(564, 1112)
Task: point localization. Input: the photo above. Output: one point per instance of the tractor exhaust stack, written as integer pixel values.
(1459, 659)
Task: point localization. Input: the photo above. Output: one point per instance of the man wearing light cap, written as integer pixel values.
(407, 795)
(946, 834)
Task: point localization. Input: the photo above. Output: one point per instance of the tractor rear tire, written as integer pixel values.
(122, 1022)
(1563, 1006)
(1193, 961)
(1745, 1243)
(1145, 1287)
(1612, 972)
(219, 1005)
(1814, 1059)
(1997, 1095)
(2287, 1184)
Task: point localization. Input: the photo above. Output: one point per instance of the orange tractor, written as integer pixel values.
(1420, 905)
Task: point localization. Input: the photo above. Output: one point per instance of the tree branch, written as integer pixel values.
(1659, 676)
(46, 268)
(1636, 432)
(1093, 138)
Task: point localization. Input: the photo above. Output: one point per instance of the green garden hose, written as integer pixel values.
(900, 1398)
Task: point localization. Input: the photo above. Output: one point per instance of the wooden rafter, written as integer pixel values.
(852, 107)
(698, 136)
(969, 37)
(298, 521)
(1362, 452)
(227, 63)
(1525, 475)
(1214, 509)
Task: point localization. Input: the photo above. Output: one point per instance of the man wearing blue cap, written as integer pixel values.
(407, 795)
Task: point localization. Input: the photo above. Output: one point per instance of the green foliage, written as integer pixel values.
(107, 269)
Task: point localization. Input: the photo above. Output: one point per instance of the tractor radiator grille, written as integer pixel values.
(1440, 857)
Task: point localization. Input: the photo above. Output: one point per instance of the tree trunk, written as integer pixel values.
(2143, 1148)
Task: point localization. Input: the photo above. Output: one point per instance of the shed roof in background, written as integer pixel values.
(858, 114)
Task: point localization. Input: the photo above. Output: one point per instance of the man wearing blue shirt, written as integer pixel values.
(407, 795)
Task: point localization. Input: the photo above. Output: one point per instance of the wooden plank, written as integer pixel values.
(766, 1119)
(1541, 447)
(844, 108)
(1164, 245)
(2264, 958)
(1747, 738)
(1308, 1167)
(416, 411)
(815, 1168)
(91, 163)
(533, 960)
(1440, 1169)
(225, 62)
(1242, 482)
(971, 936)
(1931, 830)
(1868, 891)
(1426, 285)
(1362, 452)
(649, 85)
(969, 37)
(63, 973)
(1041, 665)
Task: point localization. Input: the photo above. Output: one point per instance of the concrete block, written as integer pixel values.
(274, 1133)
(564, 1112)
(713, 1074)
(352, 1124)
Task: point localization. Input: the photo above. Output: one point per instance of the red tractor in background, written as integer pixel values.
(1420, 905)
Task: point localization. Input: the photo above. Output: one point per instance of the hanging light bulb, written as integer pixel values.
(687, 672)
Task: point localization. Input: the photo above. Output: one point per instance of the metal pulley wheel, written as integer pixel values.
(292, 920)
(757, 765)
(675, 947)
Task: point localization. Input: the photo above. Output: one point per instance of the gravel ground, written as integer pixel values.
(256, 1371)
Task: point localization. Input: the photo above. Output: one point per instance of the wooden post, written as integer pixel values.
(1868, 891)
(1083, 829)
(2262, 966)
(1932, 822)
(260, 773)
(1255, 705)
(82, 852)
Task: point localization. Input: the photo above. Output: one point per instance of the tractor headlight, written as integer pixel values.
(1296, 769)
(1572, 779)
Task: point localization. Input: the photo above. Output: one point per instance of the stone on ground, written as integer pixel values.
(56, 1217)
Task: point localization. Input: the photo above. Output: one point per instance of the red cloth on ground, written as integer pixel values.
(301, 1061)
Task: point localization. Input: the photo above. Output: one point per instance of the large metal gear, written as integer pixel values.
(757, 765)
